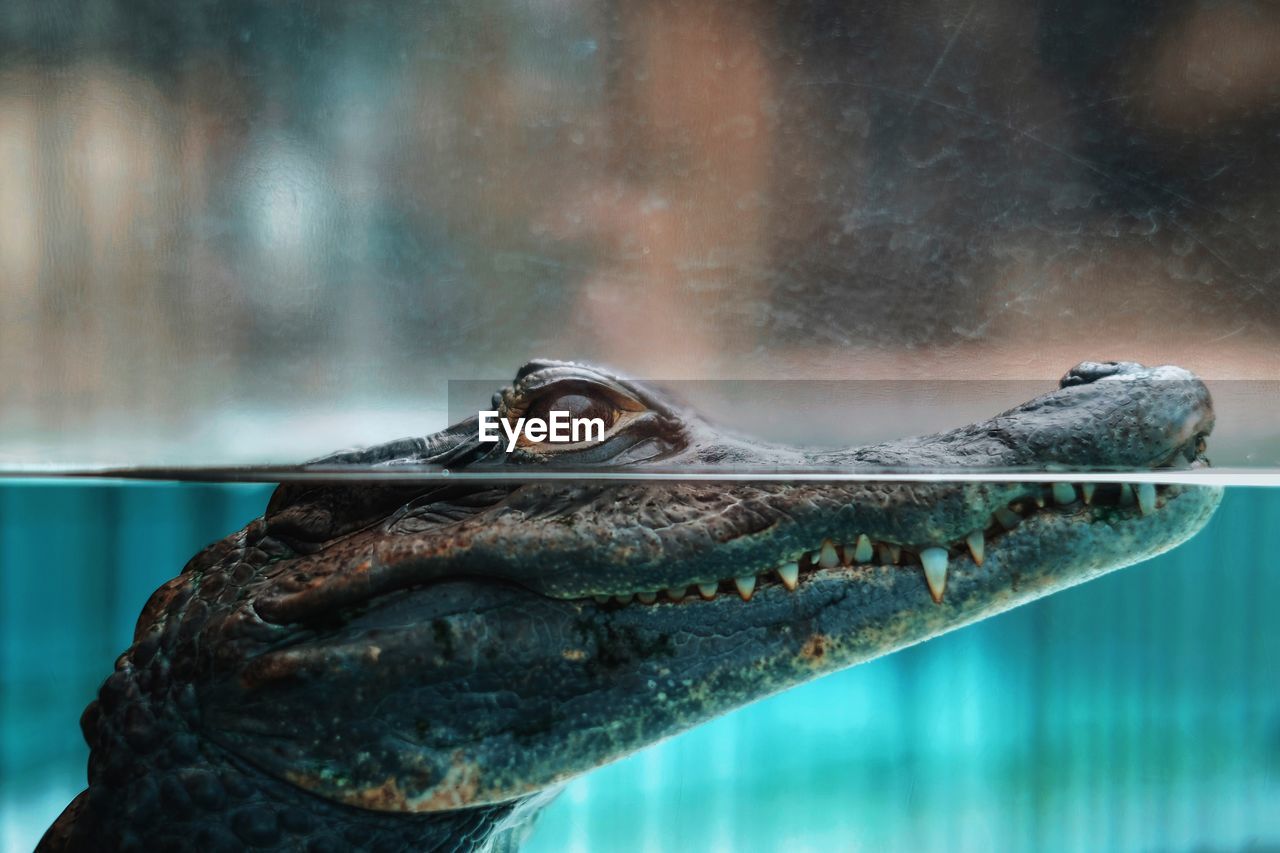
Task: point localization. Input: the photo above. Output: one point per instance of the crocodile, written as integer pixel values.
(412, 663)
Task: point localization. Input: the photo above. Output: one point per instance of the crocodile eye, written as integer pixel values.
(578, 405)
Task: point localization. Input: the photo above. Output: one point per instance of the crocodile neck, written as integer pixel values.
(157, 784)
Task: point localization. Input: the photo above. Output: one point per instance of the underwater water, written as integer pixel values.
(1139, 711)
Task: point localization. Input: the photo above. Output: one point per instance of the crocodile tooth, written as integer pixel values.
(828, 558)
(1147, 498)
(646, 597)
(935, 561)
(895, 554)
(862, 553)
(1126, 494)
(790, 574)
(677, 594)
(708, 590)
(1064, 493)
(1040, 500)
(883, 554)
(977, 545)
(1086, 489)
(746, 586)
(622, 599)
(1007, 518)
(601, 599)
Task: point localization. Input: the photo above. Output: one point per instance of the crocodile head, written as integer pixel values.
(412, 649)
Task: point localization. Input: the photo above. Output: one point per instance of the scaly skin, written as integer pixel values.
(415, 666)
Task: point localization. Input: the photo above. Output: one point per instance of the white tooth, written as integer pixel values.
(1126, 494)
(646, 597)
(1086, 489)
(745, 586)
(828, 559)
(1040, 500)
(977, 545)
(1064, 493)
(1008, 518)
(862, 554)
(1147, 498)
(934, 561)
(708, 590)
(677, 594)
(622, 599)
(601, 599)
(814, 557)
(790, 574)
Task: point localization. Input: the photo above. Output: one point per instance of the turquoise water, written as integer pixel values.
(1137, 712)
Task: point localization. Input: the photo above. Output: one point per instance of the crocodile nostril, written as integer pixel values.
(1091, 371)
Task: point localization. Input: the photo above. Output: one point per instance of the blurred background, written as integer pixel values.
(254, 231)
